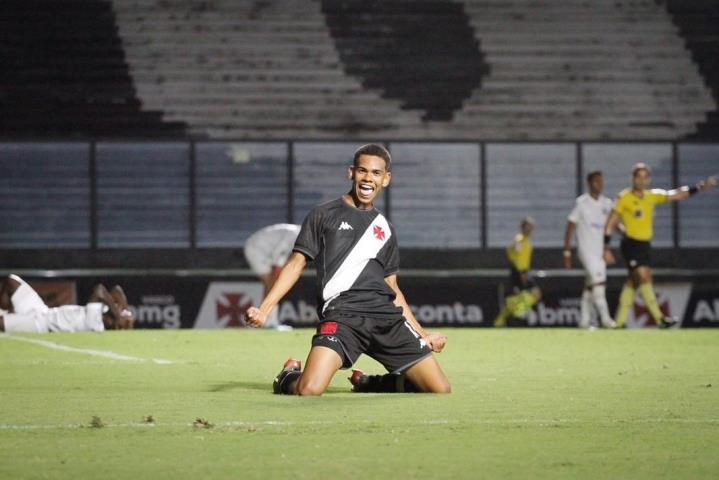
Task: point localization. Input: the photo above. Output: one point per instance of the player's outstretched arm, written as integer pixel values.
(436, 341)
(291, 272)
(682, 193)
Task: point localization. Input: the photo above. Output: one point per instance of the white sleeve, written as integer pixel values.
(575, 213)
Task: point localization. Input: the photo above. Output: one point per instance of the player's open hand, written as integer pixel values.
(710, 182)
(436, 341)
(255, 317)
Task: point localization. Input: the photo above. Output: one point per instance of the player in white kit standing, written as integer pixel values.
(587, 219)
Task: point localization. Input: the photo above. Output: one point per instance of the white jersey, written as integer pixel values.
(590, 215)
(270, 246)
(66, 318)
(31, 315)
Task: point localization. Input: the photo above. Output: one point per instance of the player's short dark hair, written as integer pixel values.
(592, 174)
(640, 166)
(376, 151)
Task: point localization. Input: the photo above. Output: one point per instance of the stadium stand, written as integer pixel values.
(64, 74)
(698, 22)
(249, 70)
(431, 59)
(546, 70)
(606, 70)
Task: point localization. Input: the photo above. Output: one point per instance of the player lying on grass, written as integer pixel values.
(23, 311)
(635, 208)
(360, 305)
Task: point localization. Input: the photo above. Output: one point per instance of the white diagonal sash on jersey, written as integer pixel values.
(364, 250)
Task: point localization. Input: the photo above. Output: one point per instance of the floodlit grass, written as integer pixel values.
(525, 404)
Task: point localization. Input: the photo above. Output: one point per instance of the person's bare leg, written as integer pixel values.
(321, 365)
(427, 376)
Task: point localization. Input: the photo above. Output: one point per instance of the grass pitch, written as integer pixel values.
(526, 404)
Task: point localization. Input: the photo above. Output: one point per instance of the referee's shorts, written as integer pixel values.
(516, 283)
(635, 253)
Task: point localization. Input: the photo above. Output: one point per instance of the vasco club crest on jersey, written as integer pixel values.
(378, 232)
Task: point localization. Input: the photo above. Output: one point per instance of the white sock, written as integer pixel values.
(600, 301)
(585, 312)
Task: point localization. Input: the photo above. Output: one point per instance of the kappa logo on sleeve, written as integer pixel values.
(345, 226)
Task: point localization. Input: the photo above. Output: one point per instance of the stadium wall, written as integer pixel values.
(102, 204)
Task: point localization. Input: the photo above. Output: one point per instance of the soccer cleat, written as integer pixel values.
(358, 380)
(290, 371)
(668, 322)
(292, 363)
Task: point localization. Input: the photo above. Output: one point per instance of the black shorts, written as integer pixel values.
(515, 281)
(392, 342)
(635, 253)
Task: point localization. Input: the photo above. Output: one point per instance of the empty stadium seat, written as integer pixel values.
(533, 70)
(64, 74)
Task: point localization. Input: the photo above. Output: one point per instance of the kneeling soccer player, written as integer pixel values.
(361, 308)
(525, 292)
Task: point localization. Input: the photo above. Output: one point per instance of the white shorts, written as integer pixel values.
(67, 318)
(25, 299)
(595, 269)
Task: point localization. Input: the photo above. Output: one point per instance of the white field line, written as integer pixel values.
(334, 424)
(86, 351)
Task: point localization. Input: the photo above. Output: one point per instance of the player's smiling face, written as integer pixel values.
(369, 176)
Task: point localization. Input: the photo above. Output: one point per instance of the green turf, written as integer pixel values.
(526, 404)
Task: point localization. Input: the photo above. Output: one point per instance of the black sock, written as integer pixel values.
(286, 379)
(388, 383)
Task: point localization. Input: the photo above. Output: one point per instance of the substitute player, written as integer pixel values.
(360, 304)
(267, 251)
(635, 208)
(525, 292)
(587, 219)
(22, 310)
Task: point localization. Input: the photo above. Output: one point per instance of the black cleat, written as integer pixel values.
(668, 322)
(290, 371)
(358, 380)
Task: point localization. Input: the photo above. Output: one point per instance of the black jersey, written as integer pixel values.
(354, 250)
